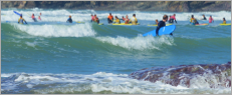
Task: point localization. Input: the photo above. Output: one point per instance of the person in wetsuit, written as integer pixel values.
(69, 19)
(172, 18)
(204, 18)
(224, 21)
(193, 21)
(21, 20)
(162, 24)
(33, 18)
(110, 18)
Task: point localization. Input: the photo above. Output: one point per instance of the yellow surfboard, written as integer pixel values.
(123, 24)
(225, 24)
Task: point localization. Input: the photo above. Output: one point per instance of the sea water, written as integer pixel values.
(52, 56)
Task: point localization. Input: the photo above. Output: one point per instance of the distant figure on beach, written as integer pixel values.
(69, 19)
(21, 20)
(193, 21)
(127, 20)
(134, 20)
(204, 18)
(224, 21)
(211, 19)
(110, 18)
(172, 18)
(161, 24)
(33, 18)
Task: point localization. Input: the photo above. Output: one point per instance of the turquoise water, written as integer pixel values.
(51, 55)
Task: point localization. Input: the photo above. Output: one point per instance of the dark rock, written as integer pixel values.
(185, 74)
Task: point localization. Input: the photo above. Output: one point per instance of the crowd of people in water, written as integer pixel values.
(111, 19)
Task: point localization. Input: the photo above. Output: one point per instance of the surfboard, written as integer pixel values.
(123, 24)
(202, 24)
(157, 25)
(79, 22)
(225, 24)
(162, 31)
(17, 13)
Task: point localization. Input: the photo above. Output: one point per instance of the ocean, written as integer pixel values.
(55, 57)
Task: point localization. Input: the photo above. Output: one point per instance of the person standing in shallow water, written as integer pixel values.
(211, 19)
(162, 24)
(69, 19)
(21, 20)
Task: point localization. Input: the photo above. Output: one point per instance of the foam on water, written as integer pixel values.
(101, 81)
(139, 42)
(82, 30)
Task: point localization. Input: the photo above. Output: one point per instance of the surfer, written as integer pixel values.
(211, 19)
(117, 20)
(39, 16)
(96, 19)
(204, 18)
(134, 20)
(162, 24)
(156, 22)
(33, 18)
(224, 21)
(127, 20)
(69, 19)
(92, 18)
(172, 18)
(21, 20)
(123, 18)
(110, 18)
(193, 20)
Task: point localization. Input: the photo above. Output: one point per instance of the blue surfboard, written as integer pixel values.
(17, 13)
(162, 31)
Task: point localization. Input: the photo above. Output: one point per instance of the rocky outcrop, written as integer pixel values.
(171, 6)
(213, 75)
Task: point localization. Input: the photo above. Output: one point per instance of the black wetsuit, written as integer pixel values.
(69, 20)
(204, 18)
(160, 25)
(110, 21)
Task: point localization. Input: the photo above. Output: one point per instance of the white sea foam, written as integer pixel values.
(80, 30)
(101, 81)
(139, 42)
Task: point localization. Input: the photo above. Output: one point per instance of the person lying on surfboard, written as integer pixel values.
(224, 21)
(69, 19)
(127, 20)
(134, 20)
(161, 24)
(117, 20)
(21, 20)
(193, 21)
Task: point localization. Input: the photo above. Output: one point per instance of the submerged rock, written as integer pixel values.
(191, 76)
